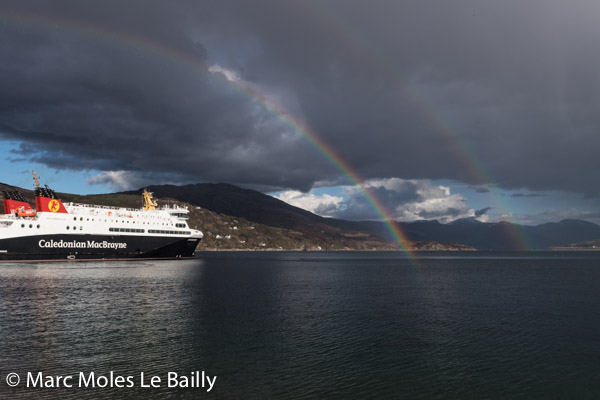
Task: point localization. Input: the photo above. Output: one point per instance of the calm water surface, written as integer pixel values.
(310, 325)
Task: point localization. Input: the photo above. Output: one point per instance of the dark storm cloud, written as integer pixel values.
(449, 212)
(398, 89)
(404, 201)
(86, 91)
(482, 211)
(358, 207)
(479, 189)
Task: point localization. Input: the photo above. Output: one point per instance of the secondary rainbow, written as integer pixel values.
(460, 149)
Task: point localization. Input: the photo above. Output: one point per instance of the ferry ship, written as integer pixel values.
(55, 231)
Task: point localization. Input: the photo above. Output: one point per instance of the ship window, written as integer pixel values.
(31, 226)
(38, 226)
(81, 219)
(74, 228)
(81, 228)
(67, 228)
(22, 225)
(74, 218)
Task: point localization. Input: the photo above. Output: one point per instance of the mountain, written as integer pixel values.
(492, 236)
(232, 200)
(239, 219)
(257, 207)
(235, 218)
(568, 230)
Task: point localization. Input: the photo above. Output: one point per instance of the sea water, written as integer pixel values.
(304, 325)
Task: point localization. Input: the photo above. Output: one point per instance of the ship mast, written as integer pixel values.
(35, 179)
(149, 202)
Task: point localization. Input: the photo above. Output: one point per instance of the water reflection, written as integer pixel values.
(68, 317)
(296, 325)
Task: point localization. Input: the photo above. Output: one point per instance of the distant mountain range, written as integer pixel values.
(229, 205)
(492, 236)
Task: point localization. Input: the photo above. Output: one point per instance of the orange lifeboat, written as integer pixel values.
(28, 213)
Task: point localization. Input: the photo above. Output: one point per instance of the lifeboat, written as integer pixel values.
(28, 213)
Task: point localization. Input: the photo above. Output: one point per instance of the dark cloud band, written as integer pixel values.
(125, 88)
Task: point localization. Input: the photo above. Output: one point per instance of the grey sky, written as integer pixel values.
(475, 91)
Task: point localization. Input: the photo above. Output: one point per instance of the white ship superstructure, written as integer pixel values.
(57, 230)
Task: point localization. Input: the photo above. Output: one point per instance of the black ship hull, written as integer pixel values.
(95, 247)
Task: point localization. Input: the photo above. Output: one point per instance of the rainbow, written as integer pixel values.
(121, 37)
(392, 226)
(459, 148)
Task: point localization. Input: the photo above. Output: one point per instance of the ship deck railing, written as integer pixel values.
(164, 208)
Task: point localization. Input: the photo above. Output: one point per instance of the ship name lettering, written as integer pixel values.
(90, 244)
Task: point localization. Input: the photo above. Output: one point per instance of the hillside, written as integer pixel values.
(250, 204)
(260, 208)
(227, 232)
(588, 245)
